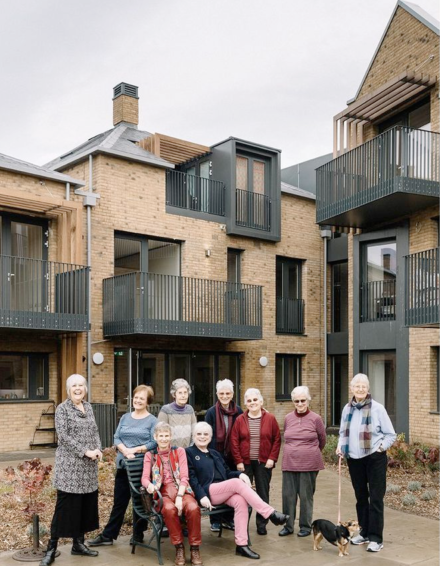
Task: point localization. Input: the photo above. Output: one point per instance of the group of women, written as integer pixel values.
(209, 463)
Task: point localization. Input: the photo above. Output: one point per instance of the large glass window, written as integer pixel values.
(381, 370)
(378, 287)
(23, 376)
(339, 394)
(288, 375)
(289, 304)
(340, 297)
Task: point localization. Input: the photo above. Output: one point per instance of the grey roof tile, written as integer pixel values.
(19, 166)
(296, 191)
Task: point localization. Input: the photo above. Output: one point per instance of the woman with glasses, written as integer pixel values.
(255, 446)
(365, 434)
(304, 437)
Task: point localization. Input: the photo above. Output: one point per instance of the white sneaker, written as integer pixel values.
(359, 539)
(374, 546)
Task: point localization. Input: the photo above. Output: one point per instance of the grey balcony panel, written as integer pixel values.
(422, 293)
(43, 295)
(253, 210)
(401, 166)
(155, 304)
(191, 192)
(290, 316)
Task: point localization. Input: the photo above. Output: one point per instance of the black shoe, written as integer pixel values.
(261, 530)
(137, 538)
(80, 549)
(278, 518)
(100, 540)
(51, 550)
(285, 532)
(165, 532)
(228, 525)
(246, 552)
(304, 533)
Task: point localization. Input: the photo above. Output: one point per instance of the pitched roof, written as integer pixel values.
(418, 13)
(120, 141)
(296, 191)
(18, 166)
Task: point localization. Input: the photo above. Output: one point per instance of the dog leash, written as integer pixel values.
(340, 489)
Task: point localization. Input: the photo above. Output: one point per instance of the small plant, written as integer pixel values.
(414, 486)
(329, 451)
(393, 488)
(427, 496)
(409, 500)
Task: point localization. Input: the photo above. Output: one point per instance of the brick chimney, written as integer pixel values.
(125, 104)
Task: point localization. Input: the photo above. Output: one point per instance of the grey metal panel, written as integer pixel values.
(337, 343)
(105, 417)
(422, 292)
(303, 175)
(337, 249)
(195, 214)
(296, 191)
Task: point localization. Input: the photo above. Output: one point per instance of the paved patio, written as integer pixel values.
(408, 539)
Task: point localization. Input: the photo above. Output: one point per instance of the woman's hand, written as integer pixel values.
(269, 464)
(94, 454)
(240, 467)
(205, 502)
(150, 488)
(130, 456)
(245, 479)
(179, 504)
(339, 452)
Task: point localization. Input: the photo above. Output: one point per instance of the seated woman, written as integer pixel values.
(214, 483)
(166, 470)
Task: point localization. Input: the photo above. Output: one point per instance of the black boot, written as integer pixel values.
(51, 549)
(246, 552)
(80, 549)
(278, 518)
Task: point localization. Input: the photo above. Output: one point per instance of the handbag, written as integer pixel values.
(146, 499)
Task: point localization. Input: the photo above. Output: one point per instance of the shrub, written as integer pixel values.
(414, 486)
(409, 500)
(329, 452)
(393, 488)
(427, 496)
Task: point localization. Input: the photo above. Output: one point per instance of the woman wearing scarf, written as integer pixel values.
(221, 417)
(365, 434)
(166, 470)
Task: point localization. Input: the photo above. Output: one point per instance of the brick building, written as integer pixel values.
(379, 195)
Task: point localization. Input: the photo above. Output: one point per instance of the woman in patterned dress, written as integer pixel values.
(76, 472)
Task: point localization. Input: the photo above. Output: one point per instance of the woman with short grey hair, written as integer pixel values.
(304, 440)
(76, 472)
(179, 415)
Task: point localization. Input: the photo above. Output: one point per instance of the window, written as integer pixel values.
(381, 370)
(289, 305)
(378, 287)
(24, 376)
(340, 297)
(339, 394)
(234, 265)
(435, 380)
(288, 375)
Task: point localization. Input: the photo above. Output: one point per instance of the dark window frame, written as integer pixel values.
(238, 254)
(289, 382)
(32, 395)
(333, 306)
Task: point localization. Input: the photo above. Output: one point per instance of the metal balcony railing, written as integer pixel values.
(150, 303)
(253, 210)
(195, 193)
(401, 159)
(39, 294)
(422, 295)
(290, 316)
(378, 300)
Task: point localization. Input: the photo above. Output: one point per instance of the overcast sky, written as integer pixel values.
(273, 72)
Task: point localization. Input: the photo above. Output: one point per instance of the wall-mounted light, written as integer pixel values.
(263, 361)
(98, 358)
(208, 253)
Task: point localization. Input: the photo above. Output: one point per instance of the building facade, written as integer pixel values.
(379, 195)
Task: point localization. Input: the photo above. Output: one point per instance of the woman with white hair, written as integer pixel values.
(178, 414)
(214, 483)
(76, 472)
(255, 447)
(365, 434)
(304, 440)
(221, 417)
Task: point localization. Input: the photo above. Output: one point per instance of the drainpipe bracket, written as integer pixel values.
(89, 197)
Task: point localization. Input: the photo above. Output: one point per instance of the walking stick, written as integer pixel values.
(340, 489)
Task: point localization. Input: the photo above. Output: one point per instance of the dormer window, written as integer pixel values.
(251, 174)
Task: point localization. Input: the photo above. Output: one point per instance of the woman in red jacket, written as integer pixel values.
(255, 446)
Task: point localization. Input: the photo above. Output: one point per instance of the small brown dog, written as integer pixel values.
(338, 535)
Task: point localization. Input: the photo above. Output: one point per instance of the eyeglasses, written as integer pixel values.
(252, 400)
(296, 401)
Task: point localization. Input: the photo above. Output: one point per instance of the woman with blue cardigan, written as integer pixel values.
(214, 483)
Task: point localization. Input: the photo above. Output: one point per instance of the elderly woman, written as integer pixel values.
(221, 417)
(365, 434)
(304, 439)
(214, 483)
(166, 470)
(255, 446)
(179, 415)
(76, 471)
(133, 437)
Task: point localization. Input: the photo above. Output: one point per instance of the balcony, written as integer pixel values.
(378, 300)
(391, 176)
(195, 193)
(290, 316)
(43, 295)
(422, 295)
(154, 304)
(253, 210)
